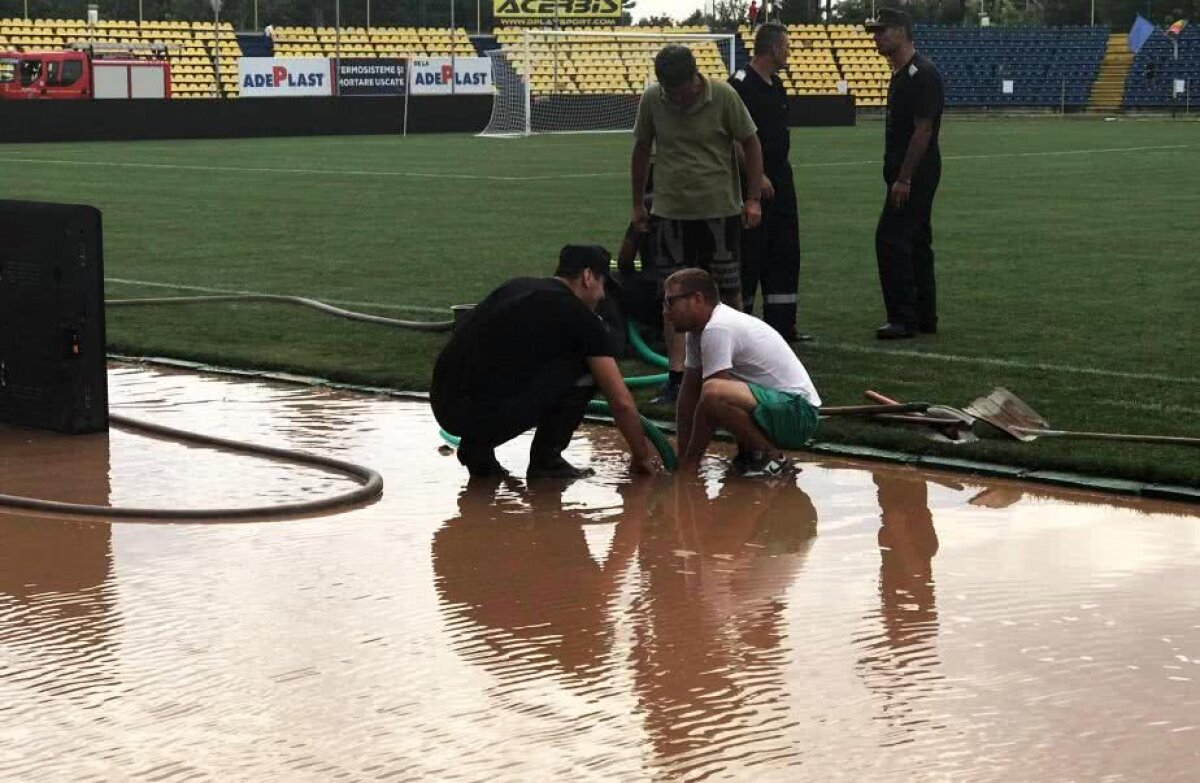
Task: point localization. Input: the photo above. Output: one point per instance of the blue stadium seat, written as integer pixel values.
(1044, 63)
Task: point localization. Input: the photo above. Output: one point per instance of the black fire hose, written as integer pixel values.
(371, 484)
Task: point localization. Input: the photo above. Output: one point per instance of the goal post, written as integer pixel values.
(586, 81)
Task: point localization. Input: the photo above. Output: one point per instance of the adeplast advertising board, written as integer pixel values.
(285, 77)
(446, 76)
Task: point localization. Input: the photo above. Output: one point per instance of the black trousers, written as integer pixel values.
(904, 254)
(771, 257)
(553, 401)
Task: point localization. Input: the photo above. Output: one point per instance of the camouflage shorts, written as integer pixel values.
(712, 244)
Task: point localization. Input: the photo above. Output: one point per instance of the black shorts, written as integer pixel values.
(712, 244)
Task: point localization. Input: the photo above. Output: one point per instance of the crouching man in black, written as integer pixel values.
(531, 355)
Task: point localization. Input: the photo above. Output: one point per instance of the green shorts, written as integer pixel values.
(788, 420)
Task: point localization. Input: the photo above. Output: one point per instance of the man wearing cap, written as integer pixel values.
(912, 167)
(694, 123)
(531, 355)
(771, 252)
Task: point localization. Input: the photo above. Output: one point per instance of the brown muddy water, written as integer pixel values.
(858, 622)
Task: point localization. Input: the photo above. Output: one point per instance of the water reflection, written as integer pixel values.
(515, 566)
(524, 596)
(55, 613)
(710, 645)
(901, 662)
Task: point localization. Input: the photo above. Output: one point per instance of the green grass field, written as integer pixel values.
(1066, 260)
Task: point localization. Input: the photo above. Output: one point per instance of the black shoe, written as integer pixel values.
(892, 331)
(668, 393)
(927, 328)
(481, 462)
(491, 469)
(559, 469)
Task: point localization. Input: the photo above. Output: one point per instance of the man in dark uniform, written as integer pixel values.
(531, 355)
(912, 167)
(771, 252)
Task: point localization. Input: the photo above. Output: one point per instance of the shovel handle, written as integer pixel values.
(1166, 440)
(876, 397)
(938, 422)
(871, 410)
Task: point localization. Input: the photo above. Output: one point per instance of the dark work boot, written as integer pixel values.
(895, 331)
(480, 461)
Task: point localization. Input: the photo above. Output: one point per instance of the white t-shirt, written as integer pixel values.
(751, 351)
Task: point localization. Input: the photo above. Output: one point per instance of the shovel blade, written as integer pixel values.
(1008, 412)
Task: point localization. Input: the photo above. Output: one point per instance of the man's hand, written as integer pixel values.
(640, 219)
(643, 467)
(899, 193)
(751, 213)
(767, 189)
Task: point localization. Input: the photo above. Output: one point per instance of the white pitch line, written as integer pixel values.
(992, 156)
(536, 177)
(1154, 407)
(988, 361)
(207, 290)
(322, 172)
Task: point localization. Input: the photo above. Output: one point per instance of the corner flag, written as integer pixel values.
(1139, 33)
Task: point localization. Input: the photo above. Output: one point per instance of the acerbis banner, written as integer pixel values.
(506, 11)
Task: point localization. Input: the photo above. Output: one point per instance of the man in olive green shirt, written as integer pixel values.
(694, 124)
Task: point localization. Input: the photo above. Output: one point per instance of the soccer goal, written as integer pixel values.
(585, 81)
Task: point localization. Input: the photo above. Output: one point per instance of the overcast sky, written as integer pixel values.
(678, 9)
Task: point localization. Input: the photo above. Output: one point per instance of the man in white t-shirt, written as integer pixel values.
(739, 375)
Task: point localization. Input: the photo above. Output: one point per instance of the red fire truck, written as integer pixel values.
(82, 74)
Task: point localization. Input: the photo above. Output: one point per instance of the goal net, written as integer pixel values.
(586, 81)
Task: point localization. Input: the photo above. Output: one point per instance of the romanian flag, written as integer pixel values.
(1177, 28)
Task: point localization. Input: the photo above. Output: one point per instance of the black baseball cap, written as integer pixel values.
(573, 259)
(889, 17)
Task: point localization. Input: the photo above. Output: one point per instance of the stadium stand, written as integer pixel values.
(191, 47)
(1151, 79)
(599, 64)
(865, 70)
(1048, 66)
(1109, 88)
(372, 42)
(811, 67)
(194, 51)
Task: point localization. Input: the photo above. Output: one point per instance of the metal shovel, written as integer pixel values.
(1009, 413)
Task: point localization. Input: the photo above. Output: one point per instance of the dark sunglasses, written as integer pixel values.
(670, 299)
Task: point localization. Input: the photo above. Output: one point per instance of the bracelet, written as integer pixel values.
(904, 182)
